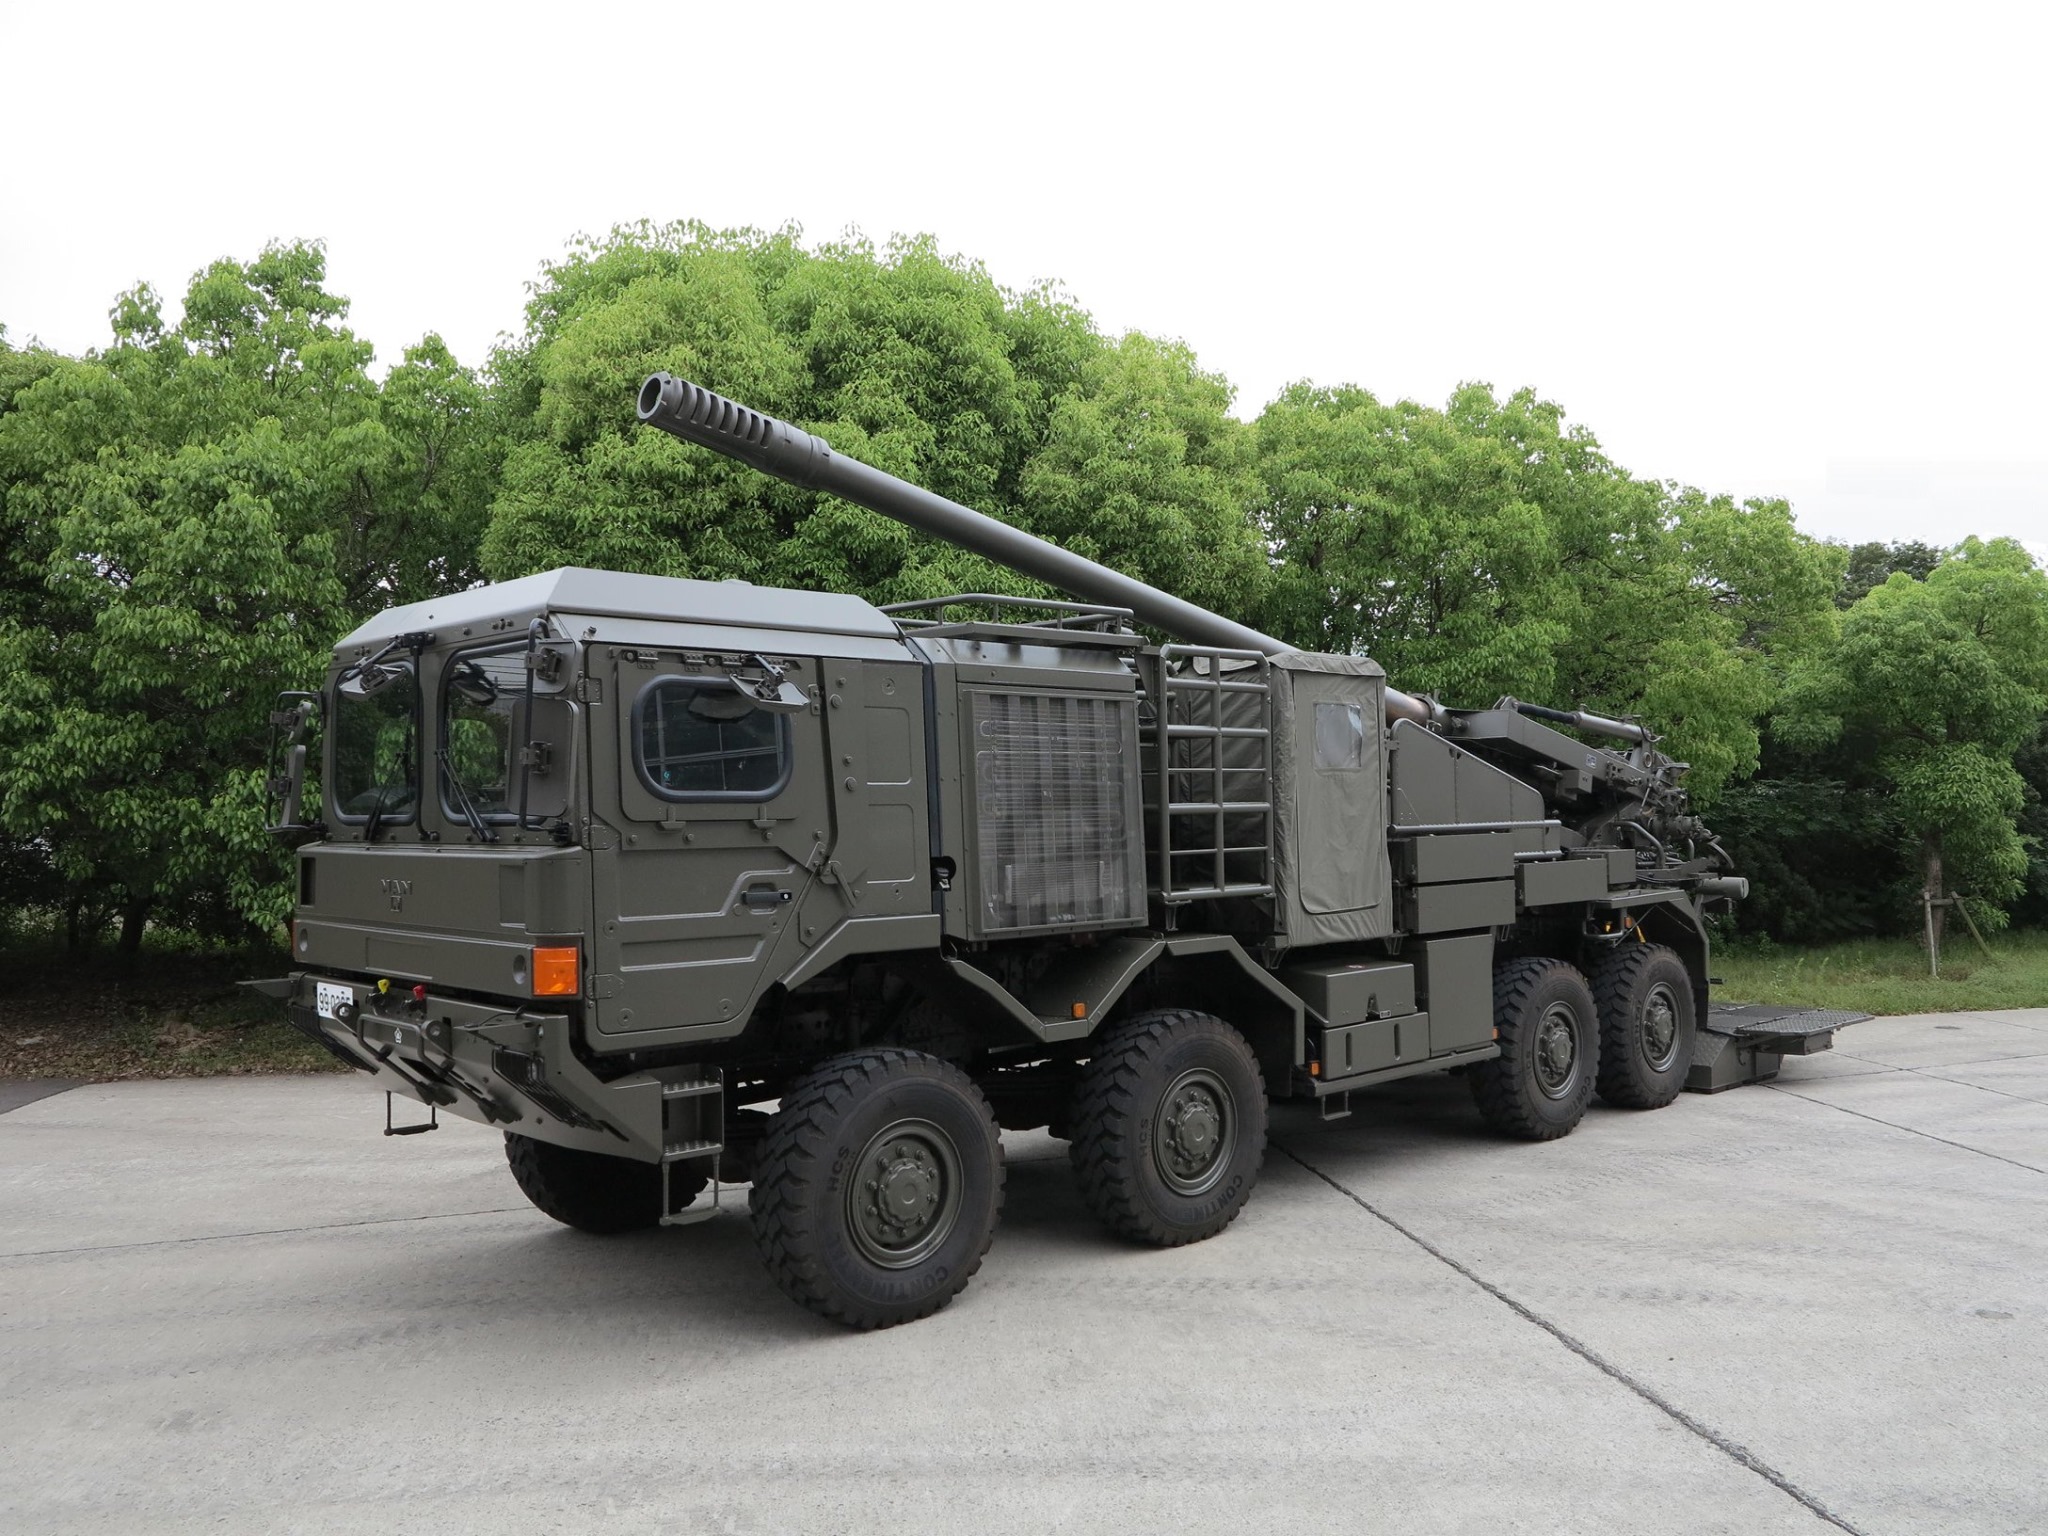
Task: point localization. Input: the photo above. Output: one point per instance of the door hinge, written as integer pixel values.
(590, 690)
(604, 986)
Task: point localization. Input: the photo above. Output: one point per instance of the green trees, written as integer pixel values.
(1935, 688)
(910, 359)
(190, 518)
(1487, 549)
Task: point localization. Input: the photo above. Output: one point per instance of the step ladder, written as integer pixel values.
(692, 1128)
(1207, 756)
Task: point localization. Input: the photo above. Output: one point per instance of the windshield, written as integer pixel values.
(376, 744)
(480, 714)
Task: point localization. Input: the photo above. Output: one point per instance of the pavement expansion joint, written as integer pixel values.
(1736, 1452)
(1960, 1146)
(1957, 1082)
(222, 1237)
(1885, 1069)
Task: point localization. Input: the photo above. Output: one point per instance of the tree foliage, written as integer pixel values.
(1487, 549)
(190, 518)
(1936, 686)
(910, 359)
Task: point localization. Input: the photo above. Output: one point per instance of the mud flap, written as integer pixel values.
(1739, 1043)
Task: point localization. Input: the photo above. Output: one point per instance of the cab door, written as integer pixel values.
(711, 817)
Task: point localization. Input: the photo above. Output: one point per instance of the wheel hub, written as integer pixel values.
(1557, 1050)
(1191, 1134)
(1660, 1027)
(904, 1193)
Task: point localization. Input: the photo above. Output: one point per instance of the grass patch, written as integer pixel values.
(163, 1014)
(1888, 975)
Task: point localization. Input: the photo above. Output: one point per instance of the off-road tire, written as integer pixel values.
(1647, 1024)
(595, 1192)
(1524, 1092)
(1124, 1150)
(873, 1123)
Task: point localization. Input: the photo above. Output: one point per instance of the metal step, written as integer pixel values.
(693, 1128)
(691, 1090)
(1739, 1043)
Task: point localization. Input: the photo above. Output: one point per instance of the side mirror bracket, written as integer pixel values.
(292, 725)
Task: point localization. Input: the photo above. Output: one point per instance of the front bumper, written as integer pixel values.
(508, 1065)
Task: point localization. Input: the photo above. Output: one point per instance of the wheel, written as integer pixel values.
(1169, 1124)
(877, 1188)
(1645, 997)
(1548, 1031)
(595, 1192)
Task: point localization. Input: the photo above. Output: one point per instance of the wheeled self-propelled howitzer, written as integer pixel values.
(686, 885)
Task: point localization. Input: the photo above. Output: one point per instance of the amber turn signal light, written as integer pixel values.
(554, 972)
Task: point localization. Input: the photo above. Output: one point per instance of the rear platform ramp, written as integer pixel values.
(1741, 1043)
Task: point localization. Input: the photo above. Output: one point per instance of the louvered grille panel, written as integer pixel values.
(1055, 829)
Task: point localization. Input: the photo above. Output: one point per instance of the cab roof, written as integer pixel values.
(507, 605)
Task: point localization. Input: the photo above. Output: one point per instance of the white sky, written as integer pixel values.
(1773, 249)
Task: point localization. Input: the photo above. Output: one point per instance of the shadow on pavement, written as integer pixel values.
(17, 1091)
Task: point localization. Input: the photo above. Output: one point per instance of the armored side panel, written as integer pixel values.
(1559, 882)
(1332, 880)
(1469, 904)
(1434, 784)
(1457, 983)
(726, 842)
(1444, 857)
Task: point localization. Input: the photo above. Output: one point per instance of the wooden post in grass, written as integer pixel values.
(1933, 944)
(1956, 901)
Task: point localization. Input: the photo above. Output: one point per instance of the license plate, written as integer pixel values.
(328, 996)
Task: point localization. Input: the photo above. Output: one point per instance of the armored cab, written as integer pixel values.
(686, 885)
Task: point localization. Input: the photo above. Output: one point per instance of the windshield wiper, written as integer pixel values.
(467, 806)
(413, 640)
(376, 816)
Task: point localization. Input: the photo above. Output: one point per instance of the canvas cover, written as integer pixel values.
(1331, 874)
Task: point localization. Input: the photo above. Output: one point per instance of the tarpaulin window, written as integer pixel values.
(1340, 736)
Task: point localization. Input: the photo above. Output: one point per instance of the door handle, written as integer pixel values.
(765, 898)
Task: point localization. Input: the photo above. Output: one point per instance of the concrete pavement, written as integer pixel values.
(231, 1305)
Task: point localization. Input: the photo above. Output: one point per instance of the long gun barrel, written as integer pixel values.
(774, 447)
(1597, 725)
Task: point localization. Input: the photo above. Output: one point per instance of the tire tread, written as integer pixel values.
(1614, 984)
(1107, 1099)
(795, 1152)
(1499, 1104)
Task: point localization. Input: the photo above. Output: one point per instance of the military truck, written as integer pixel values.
(618, 862)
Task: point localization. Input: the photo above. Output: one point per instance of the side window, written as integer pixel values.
(1340, 736)
(700, 739)
(376, 745)
(481, 705)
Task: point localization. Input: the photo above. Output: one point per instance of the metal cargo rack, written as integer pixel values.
(1058, 623)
